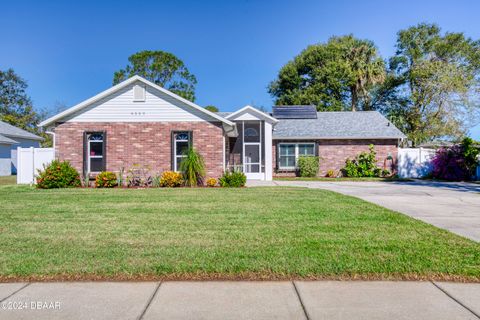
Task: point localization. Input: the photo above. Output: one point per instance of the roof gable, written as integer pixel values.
(250, 113)
(103, 107)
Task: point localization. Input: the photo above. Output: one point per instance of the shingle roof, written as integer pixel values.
(13, 132)
(224, 114)
(6, 140)
(342, 125)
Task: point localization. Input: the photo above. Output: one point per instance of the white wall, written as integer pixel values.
(120, 107)
(23, 143)
(30, 160)
(414, 162)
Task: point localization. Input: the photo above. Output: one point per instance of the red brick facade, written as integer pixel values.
(333, 153)
(143, 143)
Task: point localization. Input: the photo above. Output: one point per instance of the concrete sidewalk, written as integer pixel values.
(240, 300)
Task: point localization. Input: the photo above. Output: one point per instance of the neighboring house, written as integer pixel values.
(139, 123)
(10, 138)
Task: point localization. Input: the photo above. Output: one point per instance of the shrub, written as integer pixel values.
(171, 179)
(364, 165)
(233, 179)
(211, 182)
(156, 181)
(308, 166)
(457, 162)
(106, 179)
(139, 176)
(448, 164)
(192, 168)
(58, 174)
(470, 154)
(386, 173)
(331, 174)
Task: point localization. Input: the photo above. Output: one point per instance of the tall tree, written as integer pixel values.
(436, 81)
(15, 105)
(337, 75)
(162, 68)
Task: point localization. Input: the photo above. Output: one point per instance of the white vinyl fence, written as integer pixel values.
(29, 160)
(414, 162)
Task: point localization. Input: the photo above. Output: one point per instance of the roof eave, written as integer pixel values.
(37, 138)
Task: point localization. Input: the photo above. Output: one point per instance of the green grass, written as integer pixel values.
(253, 233)
(8, 180)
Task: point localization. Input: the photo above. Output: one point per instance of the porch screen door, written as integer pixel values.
(252, 158)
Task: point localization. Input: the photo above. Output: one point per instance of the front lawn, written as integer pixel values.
(248, 233)
(327, 179)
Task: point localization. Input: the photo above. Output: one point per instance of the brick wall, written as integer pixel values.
(144, 143)
(333, 153)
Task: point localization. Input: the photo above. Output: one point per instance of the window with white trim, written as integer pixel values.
(288, 154)
(181, 142)
(95, 152)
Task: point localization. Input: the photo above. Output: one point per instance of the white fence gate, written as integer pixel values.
(414, 162)
(29, 160)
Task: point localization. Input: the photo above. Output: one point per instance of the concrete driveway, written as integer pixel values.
(454, 206)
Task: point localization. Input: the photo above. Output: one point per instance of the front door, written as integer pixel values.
(251, 161)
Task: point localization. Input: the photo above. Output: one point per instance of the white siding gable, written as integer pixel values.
(247, 116)
(122, 107)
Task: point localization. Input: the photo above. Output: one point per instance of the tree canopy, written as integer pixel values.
(435, 80)
(211, 108)
(430, 88)
(15, 105)
(161, 68)
(337, 75)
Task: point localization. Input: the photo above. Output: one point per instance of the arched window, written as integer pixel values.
(251, 132)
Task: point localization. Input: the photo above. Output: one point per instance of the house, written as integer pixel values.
(136, 122)
(10, 138)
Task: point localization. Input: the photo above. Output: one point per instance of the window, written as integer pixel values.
(306, 149)
(95, 151)
(181, 142)
(139, 93)
(252, 131)
(288, 154)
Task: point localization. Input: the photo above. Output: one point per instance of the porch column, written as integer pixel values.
(268, 151)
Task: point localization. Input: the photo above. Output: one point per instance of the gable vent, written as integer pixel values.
(139, 92)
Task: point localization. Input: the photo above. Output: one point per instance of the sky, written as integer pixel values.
(68, 50)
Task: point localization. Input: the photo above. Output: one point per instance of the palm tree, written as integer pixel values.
(367, 69)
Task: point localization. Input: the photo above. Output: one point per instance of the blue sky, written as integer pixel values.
(68, 51)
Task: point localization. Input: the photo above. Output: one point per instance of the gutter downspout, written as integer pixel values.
(53, 137)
